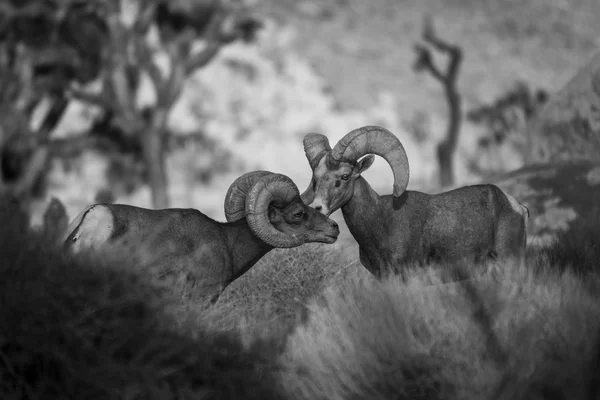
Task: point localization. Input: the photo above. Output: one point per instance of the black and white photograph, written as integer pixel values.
(299, 199)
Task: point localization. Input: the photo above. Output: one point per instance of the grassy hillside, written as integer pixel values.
(303, 324)
(311, 322)
(527, 337)
(100, 328)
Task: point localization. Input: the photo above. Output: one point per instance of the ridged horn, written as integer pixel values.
(277, 189)
(235, 199)
(315, 147)
(379, 141)
(309, 194)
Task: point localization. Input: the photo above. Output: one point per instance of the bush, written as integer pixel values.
(304, 323)
(577, 248)
(99, 329)
(379, 340)
(270, 299)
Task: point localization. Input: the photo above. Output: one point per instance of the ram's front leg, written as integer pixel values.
(372, 267)
(381, 266)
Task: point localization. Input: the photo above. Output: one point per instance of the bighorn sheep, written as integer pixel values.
(263, 210)
(472, 222)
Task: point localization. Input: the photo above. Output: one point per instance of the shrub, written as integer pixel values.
(270, 299)
(394, 339)
(90, 328)
(577, 248)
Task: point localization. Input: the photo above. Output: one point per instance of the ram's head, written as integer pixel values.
(336, 170)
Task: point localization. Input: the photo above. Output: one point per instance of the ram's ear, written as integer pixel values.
(363, 164)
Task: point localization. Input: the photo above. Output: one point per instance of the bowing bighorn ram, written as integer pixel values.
(473, 222)
(263, 210)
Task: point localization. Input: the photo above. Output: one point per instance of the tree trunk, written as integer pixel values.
(447, 148)
(445, 155)
(154, 157)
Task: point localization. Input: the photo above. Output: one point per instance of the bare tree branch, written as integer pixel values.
(145, 17)
(145, 57)
(448, 79)
(425, 62)
(35, 165)
(201, 59)
(173, 87)
(454, 53)
(430, 36)
(96, 99)
(54, 114)
(215, 39)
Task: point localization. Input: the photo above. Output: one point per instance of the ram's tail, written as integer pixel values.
(67, 238)
(526, 209)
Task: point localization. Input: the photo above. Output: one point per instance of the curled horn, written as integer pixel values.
(309, 194)
(315, 147)
(277, 189)
(379, 141)
(235, 199)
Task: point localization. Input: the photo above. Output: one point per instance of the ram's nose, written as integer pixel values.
(318, 205)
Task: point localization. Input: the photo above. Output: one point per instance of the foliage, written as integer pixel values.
(43, 47)
(76, 325)
(506, 117)
(447, 78)
(303, 323)
(88, 328)
(423, 339)
(118, 45)
(271, 298)
(576, 249)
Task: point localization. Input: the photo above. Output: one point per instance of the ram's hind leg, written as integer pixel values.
(485, 255)
(511, 231)
(511, 239)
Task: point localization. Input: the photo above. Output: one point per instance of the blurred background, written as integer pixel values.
(164, 103)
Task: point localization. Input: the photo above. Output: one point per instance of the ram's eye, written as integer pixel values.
(299, 214)
(345, 177)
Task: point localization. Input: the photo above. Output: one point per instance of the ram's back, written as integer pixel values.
(461, 223)
(155, 231)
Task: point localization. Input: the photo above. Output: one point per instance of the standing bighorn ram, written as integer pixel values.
(263, 210)
(473, 222)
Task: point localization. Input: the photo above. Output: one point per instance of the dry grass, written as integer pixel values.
(270, 299)
(309, 323)
(304, 323)
(530, 335)
(577, 249)
(78, 329)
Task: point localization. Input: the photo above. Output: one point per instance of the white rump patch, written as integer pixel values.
(93, 227)
(516, 206)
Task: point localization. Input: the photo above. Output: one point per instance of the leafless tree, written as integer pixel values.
(448, 78)
(132, 55)
(30, 108)
(53, 49)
